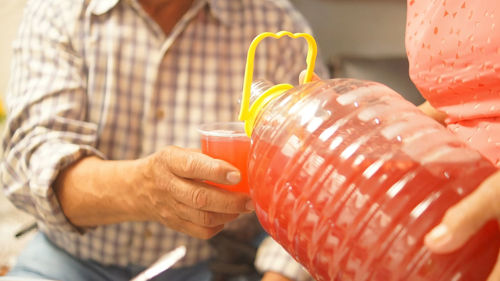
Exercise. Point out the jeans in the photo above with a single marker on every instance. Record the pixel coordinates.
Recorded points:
(42, 259)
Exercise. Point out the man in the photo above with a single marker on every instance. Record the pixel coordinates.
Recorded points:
(104, 100)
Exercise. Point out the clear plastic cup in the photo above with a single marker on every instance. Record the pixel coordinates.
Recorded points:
(227, 141)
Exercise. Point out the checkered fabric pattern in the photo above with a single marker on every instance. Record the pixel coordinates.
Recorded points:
(101, 78)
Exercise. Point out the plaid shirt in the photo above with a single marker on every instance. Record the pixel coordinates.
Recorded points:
(99, 77)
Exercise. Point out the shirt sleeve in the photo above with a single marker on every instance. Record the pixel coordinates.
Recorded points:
(272, 257)
(47, 106)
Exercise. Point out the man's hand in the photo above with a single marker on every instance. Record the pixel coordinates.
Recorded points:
(173, 192)
(272, 276)
(465, 218)
(167, 186)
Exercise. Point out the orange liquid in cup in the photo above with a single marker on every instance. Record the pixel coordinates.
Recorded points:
(233, 149)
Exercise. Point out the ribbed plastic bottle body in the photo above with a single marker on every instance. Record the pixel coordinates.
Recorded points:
(348, 177)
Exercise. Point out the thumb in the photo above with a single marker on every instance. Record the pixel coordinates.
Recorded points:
(466, 217)
(302, 76)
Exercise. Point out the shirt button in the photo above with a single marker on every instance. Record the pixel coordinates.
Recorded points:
(160, 113)
(148, 233)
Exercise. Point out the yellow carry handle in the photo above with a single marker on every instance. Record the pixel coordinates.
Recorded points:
(247, 113)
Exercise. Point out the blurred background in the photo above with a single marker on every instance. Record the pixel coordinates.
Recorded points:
(361, 39)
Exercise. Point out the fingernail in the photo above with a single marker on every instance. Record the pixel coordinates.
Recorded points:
(250, 205)
(439, 235)
(233, 177)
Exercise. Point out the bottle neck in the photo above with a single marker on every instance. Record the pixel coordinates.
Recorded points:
(257, 88)
(257, 96)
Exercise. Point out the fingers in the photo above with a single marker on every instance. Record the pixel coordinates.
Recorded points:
(466, 217)
(192, 164)
(176, 195)
(302, 75)
(198, 195)
(203, 218)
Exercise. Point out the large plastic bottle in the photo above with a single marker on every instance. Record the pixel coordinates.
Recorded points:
(348, 177)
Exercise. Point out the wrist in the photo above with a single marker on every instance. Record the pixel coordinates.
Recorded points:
(137, 181)
(94, 192)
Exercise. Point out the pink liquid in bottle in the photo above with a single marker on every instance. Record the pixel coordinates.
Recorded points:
(348, 177)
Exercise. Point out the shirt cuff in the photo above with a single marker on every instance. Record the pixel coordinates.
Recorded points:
(45, 165)
(272, 257)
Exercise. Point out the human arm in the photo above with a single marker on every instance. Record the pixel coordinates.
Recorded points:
(54, 120)
(46, 105)
(166, 187)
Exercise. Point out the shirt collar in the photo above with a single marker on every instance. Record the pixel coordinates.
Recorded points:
(219, 9)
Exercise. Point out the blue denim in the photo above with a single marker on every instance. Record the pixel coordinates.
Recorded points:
(42, 259)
